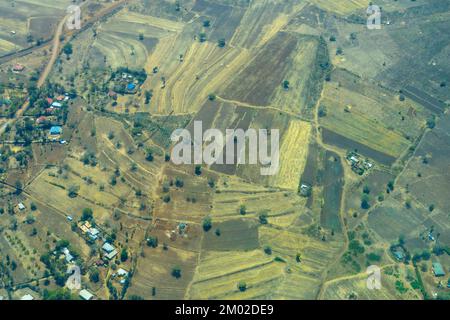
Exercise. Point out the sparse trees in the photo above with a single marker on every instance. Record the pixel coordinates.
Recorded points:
(207, 224)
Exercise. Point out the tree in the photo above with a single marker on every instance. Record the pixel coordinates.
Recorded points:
(18, 186)
(365, 201)
(87, 214)
(176, 272)
(30, 218)
(72, 192)
(152, 241)
(207, 224)
(242, 286)
(221, 43)
(94, 275)
(179, 183)
(242, 209)
(268, 250)
(431, 123)
(390, 185)
(366, 189)
(202, 37)
(67, 49)
(322, 111)
(148, 96)
(141, 36)
(285, 85)
(263, 218)
(123, 255)
(206, 23)
(198, 170)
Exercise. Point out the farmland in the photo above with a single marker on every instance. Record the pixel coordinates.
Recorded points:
(89, 173)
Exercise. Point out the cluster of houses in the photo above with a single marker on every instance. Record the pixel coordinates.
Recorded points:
(180, 231)
(109, 251)
(124, 83)
(358, 164)
(88, 230)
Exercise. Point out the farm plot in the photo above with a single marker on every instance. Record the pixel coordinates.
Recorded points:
(224, 19)
(363, 119)
(263, 19)
(332, 193)
(431, 163)
(234, 235)
(341, 7)
(280, 207)
(183, 196)
(356, 287)
(258, 271)
(313, 252)
(293, 154)
(154, 270)
(255, 84)
(27, 17)
(392, 220)
(203, 68)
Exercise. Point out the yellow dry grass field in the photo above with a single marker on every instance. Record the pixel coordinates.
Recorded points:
(293, 154)
(341, 7)
(204, 69)
(137, 18)
(226, 204)
(258, 270)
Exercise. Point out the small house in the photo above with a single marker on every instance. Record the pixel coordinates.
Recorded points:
(70, 218)
(49, 101)
(55, 130)
(60, 98)
(21, 206)
(86, 295)
(93, 233)
(18, 67)
(305, 190)
(108, 247)
(41, 120)
(112, 94)
(67, 254)
(56, 105)
(122, 272)
(110, 251)
(438, 270)
(131, 86)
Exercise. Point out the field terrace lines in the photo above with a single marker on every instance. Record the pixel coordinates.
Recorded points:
(204, 69)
